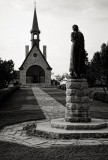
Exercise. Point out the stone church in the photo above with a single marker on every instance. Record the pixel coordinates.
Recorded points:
(35, 69)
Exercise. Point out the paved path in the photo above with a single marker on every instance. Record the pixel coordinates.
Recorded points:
(52, 109)
(16, 134)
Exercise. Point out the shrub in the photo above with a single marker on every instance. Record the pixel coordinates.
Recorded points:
(16, 83)
(63, 86)
(30, 129)
(59, 87)
(101, 96)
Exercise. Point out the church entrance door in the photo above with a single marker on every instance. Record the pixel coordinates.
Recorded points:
(35, 74)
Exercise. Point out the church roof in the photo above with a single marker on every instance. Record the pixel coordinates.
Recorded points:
(49, 68)
(35, 27)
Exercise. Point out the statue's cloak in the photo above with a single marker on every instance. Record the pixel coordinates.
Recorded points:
(77, 58)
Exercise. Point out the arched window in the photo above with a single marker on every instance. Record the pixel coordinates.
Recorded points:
(35, 36)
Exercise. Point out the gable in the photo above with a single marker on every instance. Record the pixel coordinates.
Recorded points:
(35, 56)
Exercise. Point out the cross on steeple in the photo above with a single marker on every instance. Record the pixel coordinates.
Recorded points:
(34, 3)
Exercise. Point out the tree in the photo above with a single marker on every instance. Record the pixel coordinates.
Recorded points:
(6, 72)
(97, 69)
(58, 77)
(65, 75)
(89, 74)
(104, 61)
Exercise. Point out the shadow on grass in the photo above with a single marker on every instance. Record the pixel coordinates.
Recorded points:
(21, 106)
(11, 151)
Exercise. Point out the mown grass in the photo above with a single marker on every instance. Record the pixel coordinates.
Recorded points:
(20, 107)
(11, 151)
(11, 111)
(97, 108)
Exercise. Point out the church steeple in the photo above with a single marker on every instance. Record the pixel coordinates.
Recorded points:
(35, 30)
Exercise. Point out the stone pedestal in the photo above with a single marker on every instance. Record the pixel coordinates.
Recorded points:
(77, 122)
(77, 101)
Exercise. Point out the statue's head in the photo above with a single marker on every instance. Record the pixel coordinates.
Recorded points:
(75, 27)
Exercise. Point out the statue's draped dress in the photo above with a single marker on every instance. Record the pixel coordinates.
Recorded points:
(77, 58)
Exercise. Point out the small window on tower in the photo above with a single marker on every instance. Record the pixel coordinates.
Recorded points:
(35, 36)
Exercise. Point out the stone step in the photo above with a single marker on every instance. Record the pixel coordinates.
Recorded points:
(47, 131)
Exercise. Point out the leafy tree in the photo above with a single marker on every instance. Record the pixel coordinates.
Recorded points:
(58, 77)
(104, 61)
(97, 69)
(65, 75)
(86, 58)
(89, 74)
(6, 72)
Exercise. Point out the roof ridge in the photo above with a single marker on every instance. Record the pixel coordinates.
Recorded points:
(49, 68)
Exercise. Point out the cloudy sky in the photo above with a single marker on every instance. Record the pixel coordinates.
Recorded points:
(55, 18)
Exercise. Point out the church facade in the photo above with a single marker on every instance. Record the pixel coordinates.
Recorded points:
(35, 69)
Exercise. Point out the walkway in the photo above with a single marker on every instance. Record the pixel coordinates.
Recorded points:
(52, 109)
(16, 134)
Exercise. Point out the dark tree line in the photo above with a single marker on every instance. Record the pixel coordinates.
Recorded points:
(97, 68)
(6, 72)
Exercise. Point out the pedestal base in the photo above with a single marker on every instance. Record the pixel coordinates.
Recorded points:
(77, 101)
(65, 130)
(78, 119)
(94, 124)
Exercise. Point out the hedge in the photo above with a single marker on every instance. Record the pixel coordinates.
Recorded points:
(100, 96)
(6, 92)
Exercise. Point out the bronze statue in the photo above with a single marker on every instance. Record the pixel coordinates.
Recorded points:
(77, 59)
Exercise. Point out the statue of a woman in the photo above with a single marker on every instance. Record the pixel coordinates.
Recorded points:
(77, 59)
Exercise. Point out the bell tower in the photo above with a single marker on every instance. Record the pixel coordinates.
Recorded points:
(35, 32)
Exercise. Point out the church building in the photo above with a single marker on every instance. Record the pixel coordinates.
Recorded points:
(35, 69)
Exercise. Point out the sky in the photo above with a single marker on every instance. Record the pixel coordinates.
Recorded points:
(55, 19)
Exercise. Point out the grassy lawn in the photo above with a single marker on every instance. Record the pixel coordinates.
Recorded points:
(97, 108)
(19, 107)
(22, 106)
(11, 151)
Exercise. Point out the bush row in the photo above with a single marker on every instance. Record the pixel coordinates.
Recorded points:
(100, 96)
(6, 92)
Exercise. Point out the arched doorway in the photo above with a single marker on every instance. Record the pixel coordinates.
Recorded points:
(35, 74)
